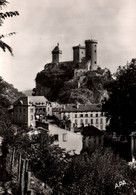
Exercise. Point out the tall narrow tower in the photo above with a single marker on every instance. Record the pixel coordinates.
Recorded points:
(91, 53)
(56, 54)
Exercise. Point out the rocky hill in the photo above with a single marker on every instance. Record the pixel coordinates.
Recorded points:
(67, 83)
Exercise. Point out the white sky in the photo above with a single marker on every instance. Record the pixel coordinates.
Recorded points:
(42, 24)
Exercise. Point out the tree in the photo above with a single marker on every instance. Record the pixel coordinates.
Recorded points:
(120, 107)
(101, 173)
(3, 16)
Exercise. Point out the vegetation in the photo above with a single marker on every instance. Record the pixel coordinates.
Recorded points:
(120, 107)
(3, 16)
(100, 173)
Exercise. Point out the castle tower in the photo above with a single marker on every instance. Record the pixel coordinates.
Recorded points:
(56, 54)
(91, 53)
(78, 53)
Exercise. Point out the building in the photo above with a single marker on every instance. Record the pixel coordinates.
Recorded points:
(70, 141)
(83, 56)
(91, 53)
(82, 115)
(56, 54)
(133, 146)
(28, 109)
(92, 138)
(78, 53)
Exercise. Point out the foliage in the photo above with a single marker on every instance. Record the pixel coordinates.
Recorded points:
(3, 45)
(8, 94)
(81, 174)
(120, 108)
(97, 174)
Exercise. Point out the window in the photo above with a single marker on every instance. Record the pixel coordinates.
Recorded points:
(86, 121)
(24, 117)
(102, 114)
(94, 139)
(31, 117)
(81, 122)
(101, 121)
(81, 115)
(96, 115)
(75, 115)
(86, 115)
(100, 140)
(43, 109)
(31, 110)
(91, 121)
(75, 121)
(95, 62)
(91, 115)
(56, 137)
(96, 121)
(64, 137)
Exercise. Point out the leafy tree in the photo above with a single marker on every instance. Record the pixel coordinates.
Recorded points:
(3, 16)
(120, 107)
(98, 174)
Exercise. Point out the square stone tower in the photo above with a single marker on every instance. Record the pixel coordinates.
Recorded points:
(78, 53)
(56, 54)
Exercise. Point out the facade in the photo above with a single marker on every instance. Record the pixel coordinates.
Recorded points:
(133, 146)
(70, 141)
(82, 115)
(28, 109)
(92, 138)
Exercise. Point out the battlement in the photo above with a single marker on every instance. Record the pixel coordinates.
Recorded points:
(91, 41)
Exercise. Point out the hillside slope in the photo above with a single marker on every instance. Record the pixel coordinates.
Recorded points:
(8, 94)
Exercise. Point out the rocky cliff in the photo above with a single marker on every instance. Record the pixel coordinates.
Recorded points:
(67, 83)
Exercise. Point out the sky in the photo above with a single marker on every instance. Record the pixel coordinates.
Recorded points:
(42, 24)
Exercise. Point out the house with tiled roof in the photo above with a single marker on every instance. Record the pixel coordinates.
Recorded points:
(92, 138)
(28, 109)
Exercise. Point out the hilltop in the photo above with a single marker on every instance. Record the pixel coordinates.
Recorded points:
(61, 84)
(78, 81)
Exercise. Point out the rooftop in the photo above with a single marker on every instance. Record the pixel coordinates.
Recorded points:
(57, 50)
(82, 108)
(91, 131)
(28, 100)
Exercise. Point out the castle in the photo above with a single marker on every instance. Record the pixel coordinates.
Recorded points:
(84, 56)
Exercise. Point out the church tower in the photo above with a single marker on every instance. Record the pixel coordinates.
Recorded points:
(56, 54)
